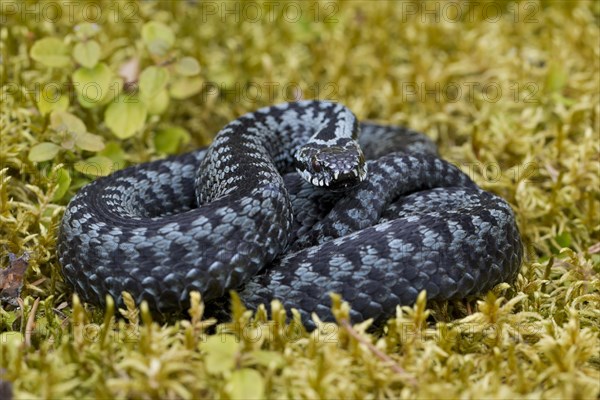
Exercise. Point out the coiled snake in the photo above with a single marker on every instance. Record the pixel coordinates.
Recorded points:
(236, 216)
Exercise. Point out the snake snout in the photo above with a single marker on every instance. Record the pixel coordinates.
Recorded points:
(335, 168)
(346, 166)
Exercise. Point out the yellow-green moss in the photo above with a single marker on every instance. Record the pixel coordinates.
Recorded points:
(509, 91)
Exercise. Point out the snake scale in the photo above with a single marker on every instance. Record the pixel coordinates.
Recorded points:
(283, 205)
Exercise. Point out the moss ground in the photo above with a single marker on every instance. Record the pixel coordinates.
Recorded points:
(509, 91)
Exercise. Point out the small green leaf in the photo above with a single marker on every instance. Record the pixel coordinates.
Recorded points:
(125, 117)
(89, 142)
(92, 84)
(158, 37)
(51, 98)
(563, 239)
(220, 352)
(245, 383)
(560, 99)
(86, 30)
(43, 152)
(188, 66)
(115, 90)
(153, 80)
(51, 52)
(115, 152)
(63, 181)
(78, 182)
(556, 78)
(169, 139)
(87, 53)
(95, 166)
(158, 103)
(185, 87)
(63, 121)
(267, 358)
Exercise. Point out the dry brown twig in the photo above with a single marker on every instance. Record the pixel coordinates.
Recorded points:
(379, 354)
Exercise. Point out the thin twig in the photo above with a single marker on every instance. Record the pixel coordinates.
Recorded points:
(31, 322)
(379, 354)
(595, 248)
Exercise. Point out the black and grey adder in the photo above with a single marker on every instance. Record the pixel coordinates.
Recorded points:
(283, 205)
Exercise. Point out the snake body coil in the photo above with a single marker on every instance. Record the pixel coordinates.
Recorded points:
(237, 216)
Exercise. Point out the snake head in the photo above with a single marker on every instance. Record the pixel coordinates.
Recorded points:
(338, 168)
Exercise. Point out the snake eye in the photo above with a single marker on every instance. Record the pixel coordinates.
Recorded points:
(316, 165)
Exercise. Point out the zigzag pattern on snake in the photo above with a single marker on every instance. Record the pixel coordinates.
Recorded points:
(283, 205)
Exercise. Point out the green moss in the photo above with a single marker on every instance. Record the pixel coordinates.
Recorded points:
(513, 99)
